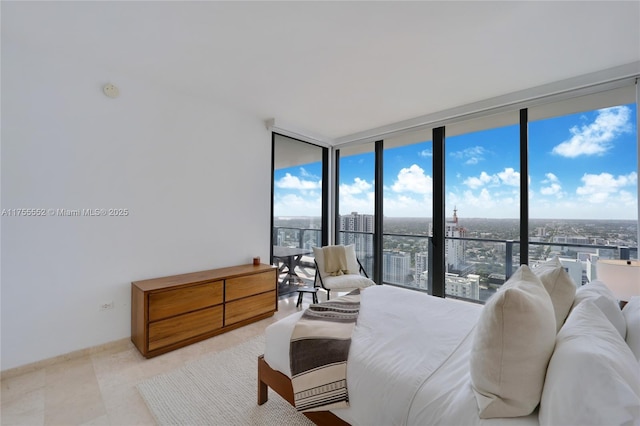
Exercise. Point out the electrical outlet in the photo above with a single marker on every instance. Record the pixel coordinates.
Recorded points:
(107, 306)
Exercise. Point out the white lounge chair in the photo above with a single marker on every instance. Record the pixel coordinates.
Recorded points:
(354, 276)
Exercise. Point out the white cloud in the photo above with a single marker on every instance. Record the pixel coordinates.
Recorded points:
(295, 205)
(600, 188)
(477, 182)
(471, 155)
(553, 186)
(407, 206)
(305, 173)
(359, 186)
(553, 189)
(595, 138)
(413, 179)
(485, 203)
(509, 177)
(361, 204)
(288, 181)
(425, 153)
(357, 197)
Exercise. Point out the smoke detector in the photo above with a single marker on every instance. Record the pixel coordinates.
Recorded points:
(111, 91)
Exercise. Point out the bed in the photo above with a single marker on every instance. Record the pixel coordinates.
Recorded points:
(419, 360)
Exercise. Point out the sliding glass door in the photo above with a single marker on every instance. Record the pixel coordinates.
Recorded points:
(298, 206)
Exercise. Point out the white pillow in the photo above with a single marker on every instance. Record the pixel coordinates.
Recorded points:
(631, 313)
(599, 293)
(512, 345)
(593, 377)
(560, 287)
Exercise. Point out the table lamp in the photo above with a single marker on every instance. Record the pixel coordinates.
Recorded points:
(621, 276)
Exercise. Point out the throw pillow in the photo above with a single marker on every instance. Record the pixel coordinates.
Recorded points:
(599, 293)
(513, 342)
(631, 314)
(592, 378)
(560, 287)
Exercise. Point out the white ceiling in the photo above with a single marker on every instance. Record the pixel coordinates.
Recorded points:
(337, 68)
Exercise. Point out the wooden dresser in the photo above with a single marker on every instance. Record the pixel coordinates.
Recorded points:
(170, 312)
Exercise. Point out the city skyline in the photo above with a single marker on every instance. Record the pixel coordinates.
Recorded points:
(477, 265)
(581, 166)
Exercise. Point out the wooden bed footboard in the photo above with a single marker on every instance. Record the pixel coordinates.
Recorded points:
(270, 378)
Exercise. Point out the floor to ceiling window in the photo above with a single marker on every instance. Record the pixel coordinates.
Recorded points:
(298, 206)
(407, 209)
(458, 208)
(584, 181)
(356, 208)
(482, 202)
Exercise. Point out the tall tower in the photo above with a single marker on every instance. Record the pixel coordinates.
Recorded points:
(396, 269)
(422, 265)
(363, 224)
(454, 249)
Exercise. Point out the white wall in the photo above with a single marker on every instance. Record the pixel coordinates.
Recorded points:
(194, 175)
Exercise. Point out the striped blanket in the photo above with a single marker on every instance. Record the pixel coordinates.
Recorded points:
(318, 353)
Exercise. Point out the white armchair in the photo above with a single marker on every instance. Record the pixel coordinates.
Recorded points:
(346, 272)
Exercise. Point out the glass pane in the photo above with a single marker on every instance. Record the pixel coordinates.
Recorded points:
(408, 212)
(297, 211)
(356, 201)
(482, 204)
(583, 193)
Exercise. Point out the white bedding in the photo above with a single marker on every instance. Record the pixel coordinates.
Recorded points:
(408, 362)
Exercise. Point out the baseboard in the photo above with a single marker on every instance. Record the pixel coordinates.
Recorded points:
(17, 371)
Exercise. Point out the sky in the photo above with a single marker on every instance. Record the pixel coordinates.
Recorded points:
(581, 166)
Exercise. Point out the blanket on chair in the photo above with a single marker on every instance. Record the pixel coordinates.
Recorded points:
(335, 260)
(318, 353)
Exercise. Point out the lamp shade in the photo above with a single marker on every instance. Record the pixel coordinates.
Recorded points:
(621, 276)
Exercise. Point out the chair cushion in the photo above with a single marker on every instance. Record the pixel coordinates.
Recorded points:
(343, 282)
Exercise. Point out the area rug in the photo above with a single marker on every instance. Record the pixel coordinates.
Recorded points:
(219, 389)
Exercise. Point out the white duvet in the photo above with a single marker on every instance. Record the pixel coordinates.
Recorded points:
(408, 362)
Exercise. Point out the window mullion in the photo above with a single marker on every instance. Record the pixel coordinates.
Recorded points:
(524, 187)
(437, 268)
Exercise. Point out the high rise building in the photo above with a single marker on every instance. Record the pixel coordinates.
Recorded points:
(363, 224)
(454, 249)
(396, 267)
(467, 287)
(422, 266)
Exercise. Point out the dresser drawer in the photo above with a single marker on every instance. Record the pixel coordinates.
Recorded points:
(176, 329)
(184, 299)
(170, 312)
(249, 285)
(248, 307)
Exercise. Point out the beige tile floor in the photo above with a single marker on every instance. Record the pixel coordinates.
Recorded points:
(100, 389)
